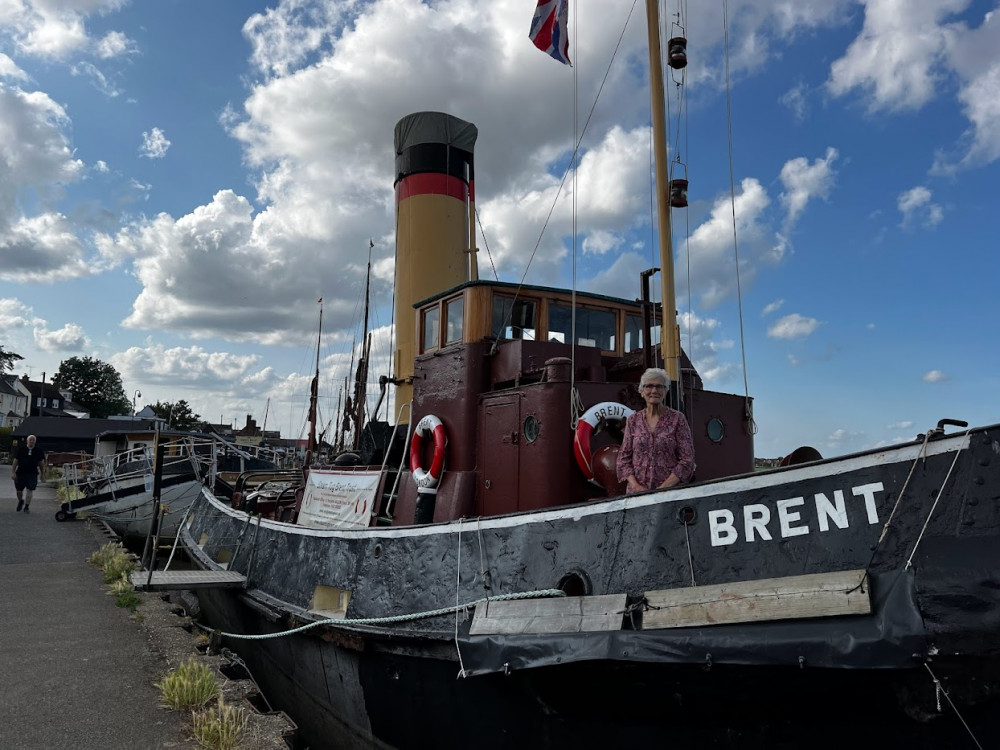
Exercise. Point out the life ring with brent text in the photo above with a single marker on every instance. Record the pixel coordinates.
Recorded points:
(609, 411)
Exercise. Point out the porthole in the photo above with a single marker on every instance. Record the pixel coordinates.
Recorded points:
(716, 429)
(531, 428)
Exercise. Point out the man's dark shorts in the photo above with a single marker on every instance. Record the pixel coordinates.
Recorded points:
(28, 482)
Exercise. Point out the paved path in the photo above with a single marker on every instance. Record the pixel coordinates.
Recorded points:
(75, 670)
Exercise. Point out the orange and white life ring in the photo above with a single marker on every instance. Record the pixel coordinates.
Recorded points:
(610, 411)
(427, 479)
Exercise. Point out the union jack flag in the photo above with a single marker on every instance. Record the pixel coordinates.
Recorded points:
(550, 29)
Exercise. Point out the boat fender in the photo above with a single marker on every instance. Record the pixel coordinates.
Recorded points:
(427, 479)
(609, 411)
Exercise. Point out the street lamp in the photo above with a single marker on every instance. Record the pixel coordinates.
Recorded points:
(135, 395)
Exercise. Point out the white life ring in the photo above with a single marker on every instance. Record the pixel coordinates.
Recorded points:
(610, 411)
(427, 479)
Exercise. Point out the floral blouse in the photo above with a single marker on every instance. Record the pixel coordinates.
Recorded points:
(652, 456)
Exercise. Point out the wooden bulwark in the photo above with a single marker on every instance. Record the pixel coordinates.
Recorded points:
(570, 614)
(796, 597)
(170, 580)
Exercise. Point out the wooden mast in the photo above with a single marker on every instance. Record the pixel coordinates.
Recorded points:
(669, 339)
(361, 374)
(314, 395)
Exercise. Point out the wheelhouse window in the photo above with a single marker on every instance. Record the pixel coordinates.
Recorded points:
(633, 333)
(514, 319)
(430, 327)
(593, 327)
(453, 314)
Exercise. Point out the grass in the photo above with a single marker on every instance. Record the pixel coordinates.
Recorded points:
(192, 685)
(219, 727)
(114, 561)
(124, 593)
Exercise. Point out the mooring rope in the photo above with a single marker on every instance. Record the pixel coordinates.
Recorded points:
(937, 499)
(939, 691)
(458, 583)
(343, 623)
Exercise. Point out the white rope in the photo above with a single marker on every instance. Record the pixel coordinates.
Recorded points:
(343, 623)
(939, 691)
(937, 499)
(458, 583)
(687, 536)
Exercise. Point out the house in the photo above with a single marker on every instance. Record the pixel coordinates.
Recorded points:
(46, 399)
(14, 401)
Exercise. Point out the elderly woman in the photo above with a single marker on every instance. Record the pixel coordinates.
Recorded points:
(657, 451)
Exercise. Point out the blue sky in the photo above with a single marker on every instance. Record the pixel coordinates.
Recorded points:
(180, 182)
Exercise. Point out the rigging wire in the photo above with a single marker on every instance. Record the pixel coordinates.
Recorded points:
(751, 426)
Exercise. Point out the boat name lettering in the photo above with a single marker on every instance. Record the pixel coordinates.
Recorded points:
(616, 411)
(757, 517)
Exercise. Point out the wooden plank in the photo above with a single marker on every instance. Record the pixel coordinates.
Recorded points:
(795, 597)
(570, 614)
(167, 580)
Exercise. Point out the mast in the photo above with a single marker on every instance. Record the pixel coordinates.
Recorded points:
(314, 394)
(361, 374)
(669, 343)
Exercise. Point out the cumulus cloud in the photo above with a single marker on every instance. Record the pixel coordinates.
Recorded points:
(157, 364)
(935, 376)
(901, 60)
(917, 208)
(69, 338)
(14, 314)
(154, 144)
(803, 181)
(793, 326)
(10, 69)
(114, 44)
(904, 425)
(54, 30)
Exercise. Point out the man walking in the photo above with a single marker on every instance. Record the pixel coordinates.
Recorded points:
(29, 462)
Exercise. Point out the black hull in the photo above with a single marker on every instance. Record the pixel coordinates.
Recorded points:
(932, 573)
(410, 701)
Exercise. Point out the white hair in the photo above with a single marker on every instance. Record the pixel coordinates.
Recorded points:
(654, 373)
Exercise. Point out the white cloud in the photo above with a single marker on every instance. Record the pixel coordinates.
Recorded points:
(905, 425)
(793, 326)
(803, 181)
(917, 209)
(896, 59)
(52, 29)
(935, 376)
(114, 44)
(69, 338)
(772, 307)
(10, 69)
(15, 314)
(154, 144)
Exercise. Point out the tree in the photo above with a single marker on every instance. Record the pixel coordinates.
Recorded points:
(95, 385)
(178, 415)
(7, 359)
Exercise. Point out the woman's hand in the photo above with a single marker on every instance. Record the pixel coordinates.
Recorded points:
(634, 486)
(672, 481)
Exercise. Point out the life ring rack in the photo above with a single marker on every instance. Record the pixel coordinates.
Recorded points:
(609, 411)
(427, 479)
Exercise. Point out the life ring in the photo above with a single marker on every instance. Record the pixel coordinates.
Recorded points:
(610, 411)
(427, 479)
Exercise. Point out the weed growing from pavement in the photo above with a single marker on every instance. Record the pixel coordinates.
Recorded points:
(114, 561)
(124, 593)
(191, 685)
(219, 727)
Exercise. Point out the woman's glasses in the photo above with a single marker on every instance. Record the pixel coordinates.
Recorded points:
(650, 387)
